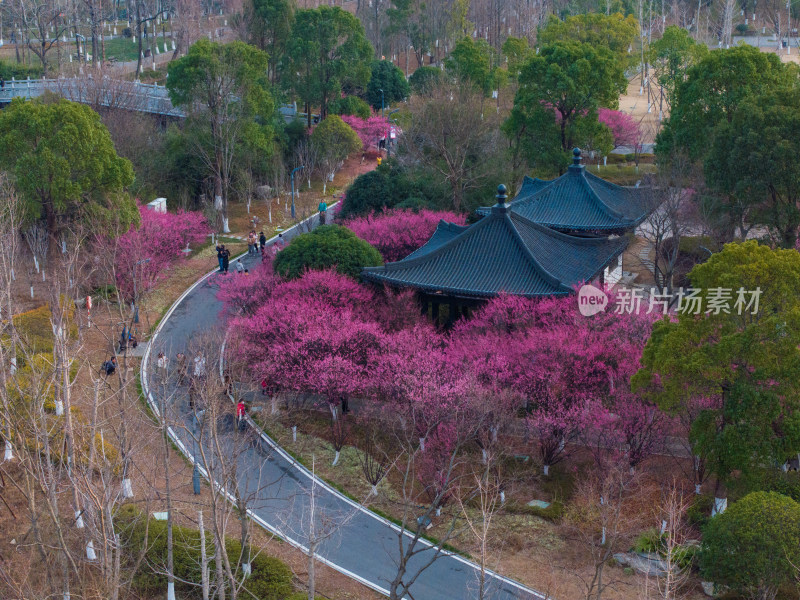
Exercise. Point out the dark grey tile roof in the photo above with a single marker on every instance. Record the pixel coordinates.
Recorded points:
(444, 233)
(580, 201)
(502, 253)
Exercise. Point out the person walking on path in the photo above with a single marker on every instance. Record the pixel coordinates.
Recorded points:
(161, 364)
(251, 243)
(181, 358)
(109, 366)
(220, 256)
(323, 212)
(240, 410)
(239, 266)
(262, 240)
(226, 257)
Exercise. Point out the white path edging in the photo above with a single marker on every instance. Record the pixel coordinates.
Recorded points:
(254, 517)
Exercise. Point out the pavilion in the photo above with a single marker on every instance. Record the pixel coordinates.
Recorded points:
(581, 203)
(553, 237)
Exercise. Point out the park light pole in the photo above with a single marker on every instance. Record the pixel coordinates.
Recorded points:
(292, 177)
(389, 132)
(381, 101)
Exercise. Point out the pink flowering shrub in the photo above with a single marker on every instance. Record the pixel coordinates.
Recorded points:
(142, 256)
(624, 127)
(397, 233)
(370, 130)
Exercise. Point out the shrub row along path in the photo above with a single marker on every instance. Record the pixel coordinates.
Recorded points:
(366, 547)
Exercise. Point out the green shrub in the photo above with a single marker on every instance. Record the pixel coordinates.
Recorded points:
(329, 246)
(753, 546)
(554, 512)
(684, 556)
(699, 512)
(424, 79)
(19, 71)
(271, 579)
(649, 541)
(350, 105)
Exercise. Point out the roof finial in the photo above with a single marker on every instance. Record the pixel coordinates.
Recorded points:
(576, 156)
(501, 194)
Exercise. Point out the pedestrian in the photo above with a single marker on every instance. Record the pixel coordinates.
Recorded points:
(109, 366)
(262, 240)
(161, 364)
(281, 242)
(323, 211)
(240, 411)
(246, 272)
(250, 242)
(239, 266)
(226, 257)
(2, 83)
(181, 358)
(220, 256)
(264, 386)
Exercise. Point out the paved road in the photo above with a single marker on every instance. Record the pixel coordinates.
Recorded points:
(366, 547)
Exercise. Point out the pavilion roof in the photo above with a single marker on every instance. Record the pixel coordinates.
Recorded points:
(580, 201)
(502, 253)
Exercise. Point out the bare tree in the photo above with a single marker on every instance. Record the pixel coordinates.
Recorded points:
(450, 133)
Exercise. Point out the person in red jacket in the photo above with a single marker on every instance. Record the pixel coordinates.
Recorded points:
(240, 415)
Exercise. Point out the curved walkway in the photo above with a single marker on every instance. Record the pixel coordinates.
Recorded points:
(366, 548)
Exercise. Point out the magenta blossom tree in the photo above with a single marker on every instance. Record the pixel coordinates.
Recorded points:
(625, 129)
(397, 233)
(142, 256)
(370, 130)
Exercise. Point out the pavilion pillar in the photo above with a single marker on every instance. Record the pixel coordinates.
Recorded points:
(435, 311)
(423, 301)
(452, 313)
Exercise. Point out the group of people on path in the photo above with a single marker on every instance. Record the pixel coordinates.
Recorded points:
(254, 244)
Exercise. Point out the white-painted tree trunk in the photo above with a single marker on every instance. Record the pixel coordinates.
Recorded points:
(36, 263)
(127, 488)
(294, 433)
(697, 488)
(422, 444)
(334, 414)
(502, 497)
(274, 409)
(335, 459)
(247, 570)
(171, 590)
(374, 491)
(225, 228)
(438, 511)
(90, 553)
(13, 364)
(663, 526)
(78, 519)
(9, 451)
(484, 456)
(546, 470)
(59, 408)
(720, 504)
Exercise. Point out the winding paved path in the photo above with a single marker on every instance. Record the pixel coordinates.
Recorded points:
(366, 547)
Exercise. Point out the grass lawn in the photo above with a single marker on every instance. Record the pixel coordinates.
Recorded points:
(124, 49)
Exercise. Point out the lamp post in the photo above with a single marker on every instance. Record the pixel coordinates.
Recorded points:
(292, 177)
(381, 101)
(389, 133)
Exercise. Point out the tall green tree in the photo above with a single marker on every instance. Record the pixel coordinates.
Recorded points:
(754, 547)
(555, 107)
(269, 25)
(516, 52)
(333, 140)
(614, 32)
(224, 88)
(470, 63)
(387, 77)
(731, 366)
(671, 57)
(752, 165)
(712, 91)
(327, 51)
(64, 166)
(407, 20)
